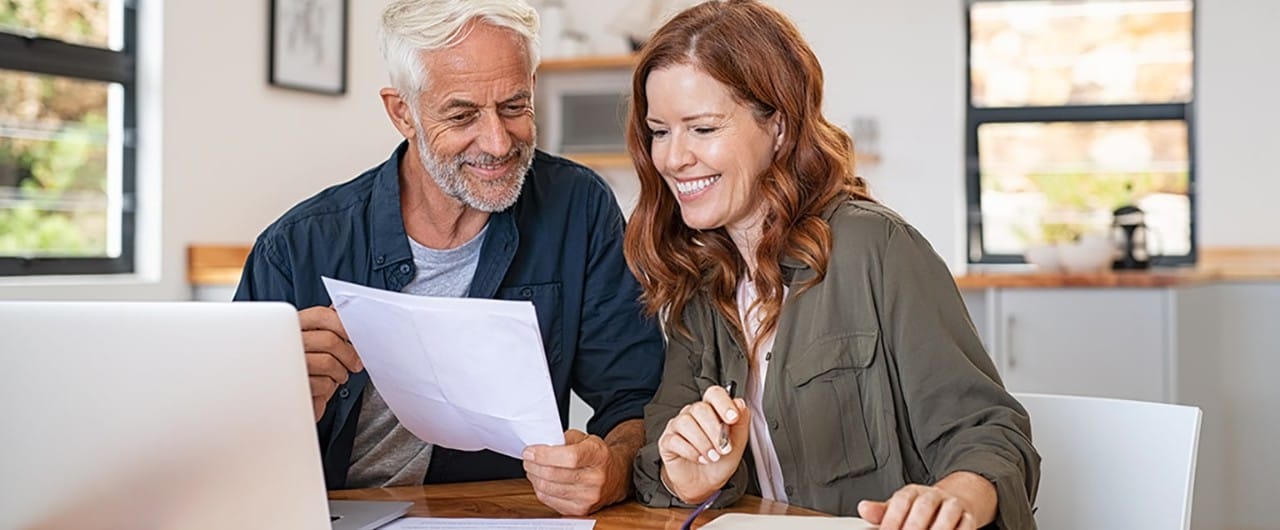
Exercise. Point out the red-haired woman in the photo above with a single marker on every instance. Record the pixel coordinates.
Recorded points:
(864, 388)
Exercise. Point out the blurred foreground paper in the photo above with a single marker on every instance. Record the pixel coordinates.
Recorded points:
(462, 373)
(742, 521)
(433, 523)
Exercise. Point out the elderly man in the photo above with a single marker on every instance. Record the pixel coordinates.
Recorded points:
(467, 207)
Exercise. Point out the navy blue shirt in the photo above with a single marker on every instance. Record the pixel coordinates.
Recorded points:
(559, 246)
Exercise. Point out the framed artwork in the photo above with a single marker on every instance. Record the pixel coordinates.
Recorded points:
(309, 45)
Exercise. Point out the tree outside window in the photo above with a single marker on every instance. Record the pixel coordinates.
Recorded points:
(66, 136)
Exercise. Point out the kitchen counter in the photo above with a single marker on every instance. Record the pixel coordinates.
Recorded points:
(1221, 264)
(219, 265)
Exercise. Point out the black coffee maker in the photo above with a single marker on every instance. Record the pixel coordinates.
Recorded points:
(1130, 234)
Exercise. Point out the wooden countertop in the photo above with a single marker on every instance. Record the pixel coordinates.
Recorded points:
(1220, 264)
(220, 265)
(515, 499)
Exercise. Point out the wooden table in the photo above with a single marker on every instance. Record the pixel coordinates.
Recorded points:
(515, 499)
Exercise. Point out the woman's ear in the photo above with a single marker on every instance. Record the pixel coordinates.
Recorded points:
(779, 125)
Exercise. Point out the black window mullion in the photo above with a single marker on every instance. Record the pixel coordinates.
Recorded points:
(130, 91)
(129, 158)
(53, 57)
(1080, 113)
(11, 266)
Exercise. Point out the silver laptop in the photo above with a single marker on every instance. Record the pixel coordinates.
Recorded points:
(161, 415)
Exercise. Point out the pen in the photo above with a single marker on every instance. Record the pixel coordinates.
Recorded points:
(724, 429)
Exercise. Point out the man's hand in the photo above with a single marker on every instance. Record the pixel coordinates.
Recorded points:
(331, 358)
(586, 473)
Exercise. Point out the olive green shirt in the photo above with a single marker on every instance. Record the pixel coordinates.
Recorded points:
(876, 380)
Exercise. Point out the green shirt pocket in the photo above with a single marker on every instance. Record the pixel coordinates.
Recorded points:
(832, 431)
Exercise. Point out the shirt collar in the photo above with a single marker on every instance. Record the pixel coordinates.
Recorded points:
(390, 242)
(796, 271)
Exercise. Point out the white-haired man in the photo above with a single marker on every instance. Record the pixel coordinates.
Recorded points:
(466, 207)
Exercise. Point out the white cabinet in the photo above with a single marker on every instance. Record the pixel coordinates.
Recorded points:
(1105, 342)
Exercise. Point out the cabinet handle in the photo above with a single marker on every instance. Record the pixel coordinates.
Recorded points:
(1010, 359)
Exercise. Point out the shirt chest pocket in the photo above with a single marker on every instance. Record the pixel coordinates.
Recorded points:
(833, 436)
(547, 305)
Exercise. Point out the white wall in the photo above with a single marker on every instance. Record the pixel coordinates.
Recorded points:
(241, 151)
(883, 59)
(1239, 121)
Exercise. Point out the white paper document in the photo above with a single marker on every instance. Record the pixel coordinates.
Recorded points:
(462, 373)
(743, 521)
(435, 523)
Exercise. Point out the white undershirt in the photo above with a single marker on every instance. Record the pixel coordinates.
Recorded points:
(768, 471)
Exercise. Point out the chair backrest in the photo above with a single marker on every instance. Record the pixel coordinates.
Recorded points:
(1110, 463)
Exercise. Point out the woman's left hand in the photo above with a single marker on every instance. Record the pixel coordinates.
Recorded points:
(961, 501)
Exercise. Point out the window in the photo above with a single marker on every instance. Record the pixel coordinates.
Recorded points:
(1075, 108)
(67, 156)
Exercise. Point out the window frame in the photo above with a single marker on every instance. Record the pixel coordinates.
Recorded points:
(41, 55)
(975, 117)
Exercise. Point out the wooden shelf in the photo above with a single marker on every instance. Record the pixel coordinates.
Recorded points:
(215, 264)
(867, 160)
(588, 62)
(601, 160)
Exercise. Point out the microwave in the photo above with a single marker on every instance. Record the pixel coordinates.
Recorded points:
(581, 112)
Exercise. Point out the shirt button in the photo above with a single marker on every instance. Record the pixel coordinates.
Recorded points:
(791, 491)
(344, 393)
(773, 424)
(381, 260)
(404, 268)
(526, 293)
(768, 356)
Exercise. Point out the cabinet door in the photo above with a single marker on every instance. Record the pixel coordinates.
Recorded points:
(1093, 342)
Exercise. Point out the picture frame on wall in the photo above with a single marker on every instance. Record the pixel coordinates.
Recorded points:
(308, 45)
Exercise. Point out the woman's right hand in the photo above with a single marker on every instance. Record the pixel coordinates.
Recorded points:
(694, 463)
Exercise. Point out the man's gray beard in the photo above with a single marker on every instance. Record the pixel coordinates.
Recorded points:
(452, 178)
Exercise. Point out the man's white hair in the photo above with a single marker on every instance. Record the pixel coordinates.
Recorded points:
(410, 27)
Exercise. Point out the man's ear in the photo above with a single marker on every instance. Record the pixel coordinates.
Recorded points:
(533, 89)
(398, 110)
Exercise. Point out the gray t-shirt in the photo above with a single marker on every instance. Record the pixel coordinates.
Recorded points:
(385, 453)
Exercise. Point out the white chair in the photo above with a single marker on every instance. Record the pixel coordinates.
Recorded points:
(1110, 463)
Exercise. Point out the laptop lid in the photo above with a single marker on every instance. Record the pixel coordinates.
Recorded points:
(156, 415)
